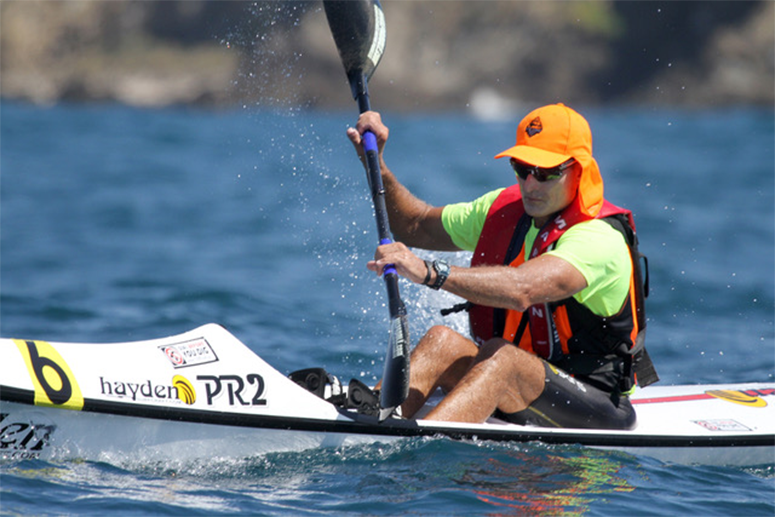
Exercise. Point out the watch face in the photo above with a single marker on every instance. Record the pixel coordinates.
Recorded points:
(442, 271)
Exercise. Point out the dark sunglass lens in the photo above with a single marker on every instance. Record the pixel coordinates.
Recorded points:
(521, 169)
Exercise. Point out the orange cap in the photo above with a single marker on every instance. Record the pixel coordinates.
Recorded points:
(553, 134)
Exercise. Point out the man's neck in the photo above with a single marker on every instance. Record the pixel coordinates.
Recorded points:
(539, 222)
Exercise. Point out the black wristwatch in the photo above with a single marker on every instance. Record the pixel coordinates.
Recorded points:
(442, 272)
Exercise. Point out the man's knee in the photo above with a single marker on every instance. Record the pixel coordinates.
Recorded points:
(497, 346)
(440, 333)
(447, 341)
(506, 354)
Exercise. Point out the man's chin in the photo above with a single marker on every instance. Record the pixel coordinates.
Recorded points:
(534, 209)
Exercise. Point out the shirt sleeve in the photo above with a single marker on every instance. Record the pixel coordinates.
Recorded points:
(606, 265)
(463, 222)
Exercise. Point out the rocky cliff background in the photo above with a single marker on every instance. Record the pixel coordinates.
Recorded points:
(484, 56)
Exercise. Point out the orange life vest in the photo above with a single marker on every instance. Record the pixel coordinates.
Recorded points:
(606, 351)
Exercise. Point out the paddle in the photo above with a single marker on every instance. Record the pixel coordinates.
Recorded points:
(358, 27)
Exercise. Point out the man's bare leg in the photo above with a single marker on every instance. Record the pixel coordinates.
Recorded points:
(441, 359)
(502, 376)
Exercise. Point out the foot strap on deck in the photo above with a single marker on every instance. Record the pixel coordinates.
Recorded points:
(320, 383)
(326, 386)
(361, 398)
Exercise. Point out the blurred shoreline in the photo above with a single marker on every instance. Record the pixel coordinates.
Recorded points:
(490, 58)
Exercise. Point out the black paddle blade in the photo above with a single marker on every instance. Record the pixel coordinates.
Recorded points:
(395, 377)
(358, 27)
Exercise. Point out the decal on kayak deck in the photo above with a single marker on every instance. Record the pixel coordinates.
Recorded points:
(189, 353)
(144, 391)
(739, 397)
(52, 379)
(236, 389)
(725, 424)
(749, 398)
(186, 391)
(23, 436)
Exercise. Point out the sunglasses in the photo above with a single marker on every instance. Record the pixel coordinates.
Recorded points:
(541, 174)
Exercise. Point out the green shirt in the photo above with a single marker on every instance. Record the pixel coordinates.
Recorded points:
(594, 248)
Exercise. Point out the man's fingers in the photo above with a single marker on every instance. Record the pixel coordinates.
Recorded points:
(354, 135)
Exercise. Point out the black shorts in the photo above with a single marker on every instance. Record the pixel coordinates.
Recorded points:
(569, 402)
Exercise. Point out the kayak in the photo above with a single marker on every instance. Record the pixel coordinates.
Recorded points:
(204, 394)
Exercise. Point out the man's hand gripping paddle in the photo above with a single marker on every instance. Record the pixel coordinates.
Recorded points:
(358, 27)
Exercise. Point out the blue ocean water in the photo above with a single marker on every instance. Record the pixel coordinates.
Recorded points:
(119, 224)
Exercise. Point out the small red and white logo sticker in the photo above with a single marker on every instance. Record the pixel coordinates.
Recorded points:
(189, 353)
(722, 424)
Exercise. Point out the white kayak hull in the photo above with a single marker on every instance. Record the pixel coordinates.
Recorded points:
(62, 435)
(204, 394)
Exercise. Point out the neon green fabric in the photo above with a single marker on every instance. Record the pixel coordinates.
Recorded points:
(594, 248)
(464, 221)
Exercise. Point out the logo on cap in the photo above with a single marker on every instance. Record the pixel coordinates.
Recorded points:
(534, 127)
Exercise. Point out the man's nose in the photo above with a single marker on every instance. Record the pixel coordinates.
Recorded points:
(531, 183)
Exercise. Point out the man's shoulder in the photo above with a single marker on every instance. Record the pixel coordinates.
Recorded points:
(592, 242)
(463, 222)
(594, 228)
(462, 213)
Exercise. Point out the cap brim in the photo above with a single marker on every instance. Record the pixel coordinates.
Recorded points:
(535, 156)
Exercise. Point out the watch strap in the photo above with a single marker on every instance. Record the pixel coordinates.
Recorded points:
(428, 266)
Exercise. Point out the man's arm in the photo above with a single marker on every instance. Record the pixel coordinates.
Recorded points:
(540, 280)
(412, 221)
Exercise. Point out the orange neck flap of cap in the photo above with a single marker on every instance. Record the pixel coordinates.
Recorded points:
(590, 193)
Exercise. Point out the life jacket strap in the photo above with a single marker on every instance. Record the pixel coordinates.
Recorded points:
(459, 307)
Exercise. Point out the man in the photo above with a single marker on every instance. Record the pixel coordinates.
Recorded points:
(554, 270)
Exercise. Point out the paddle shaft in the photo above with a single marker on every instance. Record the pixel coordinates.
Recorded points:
(374, 176)
(395, 378)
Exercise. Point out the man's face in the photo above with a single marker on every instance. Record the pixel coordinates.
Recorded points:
(543, 199)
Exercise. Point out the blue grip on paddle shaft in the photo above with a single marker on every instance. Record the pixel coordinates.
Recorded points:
(369, 141)
(389, 268)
